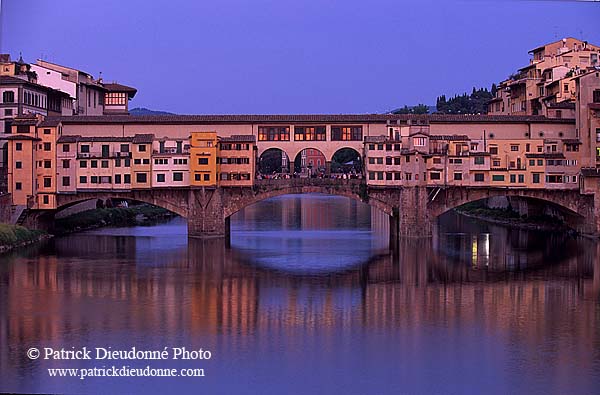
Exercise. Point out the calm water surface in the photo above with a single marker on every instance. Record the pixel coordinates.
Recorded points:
(309, 298)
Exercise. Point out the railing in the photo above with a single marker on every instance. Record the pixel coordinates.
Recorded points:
(300, 182)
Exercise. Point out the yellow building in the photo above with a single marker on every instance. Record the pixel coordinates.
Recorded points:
(203, 159)
(46, 169)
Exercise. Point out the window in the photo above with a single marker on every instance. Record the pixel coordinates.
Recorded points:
(105, 150)
(177, 176)
(85, 148)
(141, 177)
(207, 177)
(388, 160)
(142, 148)
(346, 133)
(536, 178)
(94, 179)
(273, 133)
(310, 133)
(458, 176)
(419, 141)
(435, 176)
(46, 131)
(115, 98)
(47, 182)
(388, 176)
(371, 175)
(479, 160)
(124, 148)
(371, 147)
(137, 161)
(397, 161)
(127, 162)
(127, 179)
(203, 161)
(531, 162)
(160, 178)
(66, 147)
(47, 164)
(596, 96)
(94, 164)
(494, 150)
(117, 162)
(479, 177)
(8, 112)
(117, 178)
(554, 179)
(380, 175)
(8, 97)
(437, 161)
(46, 199)
(521, 178)
(540, 162)
(66, 181)
(496, 163)
(18, 146)
(104, 164)
(497, 177)
(18, 165)
(47, 146)
(514, 147)
(397, 176)
(18, 186)
(197, 177)
(146, 161)
(513, 178)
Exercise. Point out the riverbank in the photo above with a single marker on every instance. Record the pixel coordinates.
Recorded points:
(510, 218)
(15, 236)
(140, 215)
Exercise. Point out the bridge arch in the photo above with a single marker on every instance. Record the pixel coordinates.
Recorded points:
(309, 161)
(235, 201)
(173, 200)
(577, 210)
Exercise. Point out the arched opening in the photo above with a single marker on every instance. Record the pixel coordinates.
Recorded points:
(274, 162)
(309, 233)
(346, 162)
(107, 211)
(522, 211)
(310, 162)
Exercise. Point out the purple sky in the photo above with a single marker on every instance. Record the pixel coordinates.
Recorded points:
(279, 56)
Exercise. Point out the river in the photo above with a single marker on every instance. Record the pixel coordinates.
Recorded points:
(309, 298)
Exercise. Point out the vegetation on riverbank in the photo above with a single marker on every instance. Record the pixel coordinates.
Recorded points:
(143, 214)
(511, 218)
(12, 236)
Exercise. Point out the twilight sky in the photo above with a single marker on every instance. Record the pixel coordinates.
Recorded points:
(281, 56)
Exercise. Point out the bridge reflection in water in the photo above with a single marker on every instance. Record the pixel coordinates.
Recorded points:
(511, 306)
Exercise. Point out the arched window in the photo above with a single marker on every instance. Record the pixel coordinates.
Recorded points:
(8, 97)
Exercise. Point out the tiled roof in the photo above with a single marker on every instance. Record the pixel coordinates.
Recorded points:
(571, 141)
(18, 137)
(143, 138)
(68, 139)
(105, 139)
(479, 153)
(594, 106)
(375, 139)
(25, 120)
(308, 118)
(49, 123)
(114, 87)
(236, 138)
(562, 105)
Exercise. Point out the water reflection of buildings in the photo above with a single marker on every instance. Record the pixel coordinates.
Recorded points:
(206, 288)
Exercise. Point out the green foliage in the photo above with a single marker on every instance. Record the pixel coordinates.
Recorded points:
(418, 109)
(475, 103)
(116, 216)
(11, 235)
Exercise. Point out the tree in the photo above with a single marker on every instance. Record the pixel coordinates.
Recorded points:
(475, 103)
(418, 109)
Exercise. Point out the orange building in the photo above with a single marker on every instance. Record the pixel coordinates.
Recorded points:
(203, 159)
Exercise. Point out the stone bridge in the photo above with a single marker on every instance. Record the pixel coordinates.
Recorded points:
(412, 210)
